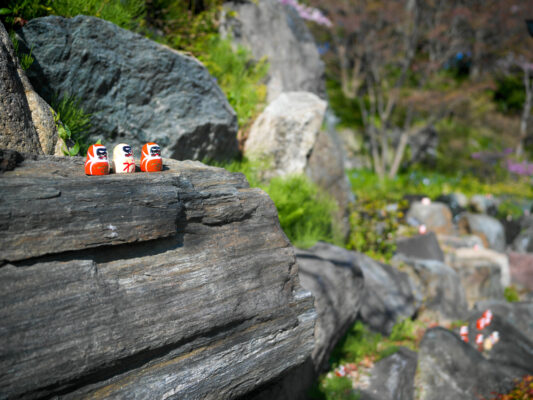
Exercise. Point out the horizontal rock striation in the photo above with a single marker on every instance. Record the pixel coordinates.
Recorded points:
(205, 304)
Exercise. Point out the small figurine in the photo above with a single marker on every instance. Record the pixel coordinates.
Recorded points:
(479, 341)
(464, 333)
(151, 160)
(123, 159)
(97, 162)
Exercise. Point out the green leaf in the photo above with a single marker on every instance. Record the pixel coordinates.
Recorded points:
(5, 11)
(75, 149)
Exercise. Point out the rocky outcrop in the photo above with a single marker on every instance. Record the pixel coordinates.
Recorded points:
(331, 275)
(17, 131)
(136, 89)
(488, 228)
(519, 314)
(438, 286)
(293, 143)
(437, 217)
(172, 285)
(448, 368)
(276, 31)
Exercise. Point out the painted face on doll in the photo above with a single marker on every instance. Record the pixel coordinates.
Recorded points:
(96, 162)
(151, 160)
(123, 160)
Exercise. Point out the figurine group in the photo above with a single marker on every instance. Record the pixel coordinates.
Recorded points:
(97, 162)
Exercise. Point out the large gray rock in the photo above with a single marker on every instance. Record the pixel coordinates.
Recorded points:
(484, 273)
(137, 90)
(523, 243)
(212, 310)
(448, 368)
(488, 228)
(389, 294)
(17, 131)
(332, 276)
(438, 286)
(392, 378)
(424, 247)
(276, 31)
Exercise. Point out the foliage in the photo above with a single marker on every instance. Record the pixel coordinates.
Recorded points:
(508, 209)
(509, 94)
(238, 75)
(511, 294)
(522, 391)
(25, 59)
(335, 388)
(73, 124)
(305, 212)
(17, 12)
(374, 228)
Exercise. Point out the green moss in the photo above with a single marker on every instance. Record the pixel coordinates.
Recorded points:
(511, 294)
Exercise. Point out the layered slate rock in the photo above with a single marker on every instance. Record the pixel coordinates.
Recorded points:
(17, 131)
(448, 368)
(137, 90)
(424, 247)
(336, 281)
(276, 31)
(210, 310)
(438, 286)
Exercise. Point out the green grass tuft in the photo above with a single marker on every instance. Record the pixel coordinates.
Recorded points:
(73, 124)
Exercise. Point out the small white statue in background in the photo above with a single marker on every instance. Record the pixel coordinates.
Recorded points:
(123, 160)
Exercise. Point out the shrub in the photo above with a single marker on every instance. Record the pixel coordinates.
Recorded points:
(238, 75)
(511, 294)
(522, 391)
(73, 124)
(337, 388)
(305, 212)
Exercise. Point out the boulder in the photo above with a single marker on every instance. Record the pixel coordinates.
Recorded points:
(436, 216)
(523, 242)
(448, 368)
(276, 31)
(452, 242)
(137, 90)
(392, 378)
(424, 247)
(438, 286)
(484, 273)
(456, 201)
(388, 296)
(285, 139)
(191, 291)
(336, 282)
(521, 269)
(519, 314)
(489, 229)
(17, 131)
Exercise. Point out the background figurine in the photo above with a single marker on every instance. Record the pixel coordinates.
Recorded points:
(151, 160)
(123, 161)
(97, 162)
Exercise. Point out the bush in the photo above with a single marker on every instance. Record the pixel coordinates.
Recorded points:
(73, 124)
(238, 75)
(511, 294)
(337, 388)
(305, 212)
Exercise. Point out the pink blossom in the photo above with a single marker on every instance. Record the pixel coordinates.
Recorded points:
(308, 13)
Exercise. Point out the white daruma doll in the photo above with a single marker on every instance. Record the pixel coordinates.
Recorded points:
(123, 159)
(96, 162)
(151, 160)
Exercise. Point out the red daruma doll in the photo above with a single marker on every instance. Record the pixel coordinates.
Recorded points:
(97, 162)
(151, 160)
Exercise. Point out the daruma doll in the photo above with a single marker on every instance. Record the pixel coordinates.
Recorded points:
(151, 160)
(97, 162)
(123, 159)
